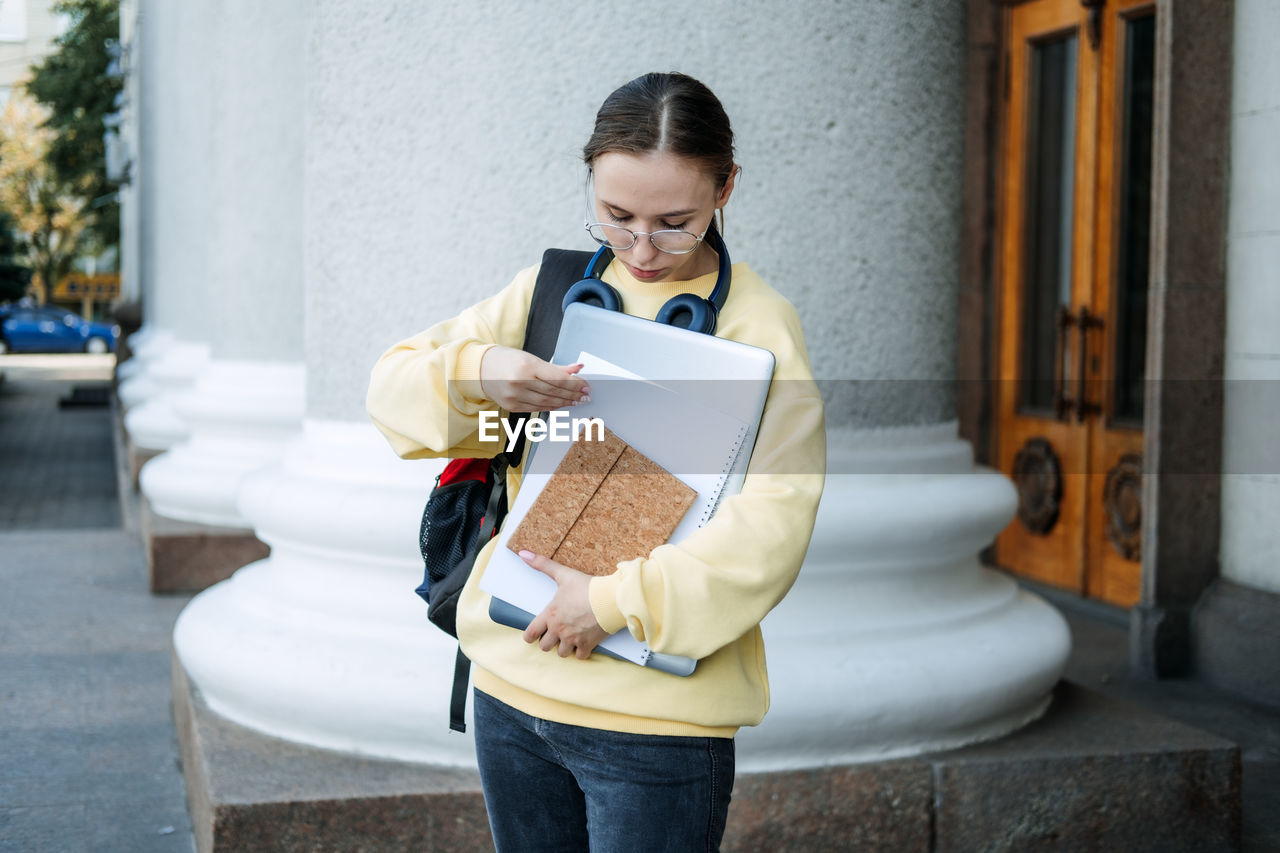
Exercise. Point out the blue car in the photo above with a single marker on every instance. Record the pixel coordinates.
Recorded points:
(49, 329)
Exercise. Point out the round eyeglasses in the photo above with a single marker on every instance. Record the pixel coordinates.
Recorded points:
(671, 241)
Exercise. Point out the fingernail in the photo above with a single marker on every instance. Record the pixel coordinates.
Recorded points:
(586, 398)
(586, 389)
(527, 555)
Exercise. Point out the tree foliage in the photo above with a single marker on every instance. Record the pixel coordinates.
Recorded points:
(78, 84)
(50, 211)
(14, 275)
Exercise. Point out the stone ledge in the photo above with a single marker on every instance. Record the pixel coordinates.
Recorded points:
(1093, 774)
(187, 557)
(248, 791)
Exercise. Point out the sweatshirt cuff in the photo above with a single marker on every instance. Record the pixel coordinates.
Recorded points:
(602, 592)
(466, 374)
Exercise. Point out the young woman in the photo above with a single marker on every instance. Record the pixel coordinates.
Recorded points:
(581, 751)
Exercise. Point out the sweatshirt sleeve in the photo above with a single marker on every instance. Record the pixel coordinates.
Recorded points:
(694, 597)
(424, 393)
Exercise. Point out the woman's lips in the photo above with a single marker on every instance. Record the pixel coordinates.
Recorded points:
(644, 274)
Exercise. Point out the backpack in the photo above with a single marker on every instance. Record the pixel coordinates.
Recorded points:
(469, 501)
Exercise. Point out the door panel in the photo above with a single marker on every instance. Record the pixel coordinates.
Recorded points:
(1118, 345)
(1073, 237)
(1045, 193)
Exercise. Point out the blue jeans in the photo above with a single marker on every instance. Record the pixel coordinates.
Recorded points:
(561, 788)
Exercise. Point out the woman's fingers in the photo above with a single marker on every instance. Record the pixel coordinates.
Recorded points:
(560, 384)
(551, 394)
(520, 382)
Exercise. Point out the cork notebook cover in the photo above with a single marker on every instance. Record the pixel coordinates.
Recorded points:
(604, 503)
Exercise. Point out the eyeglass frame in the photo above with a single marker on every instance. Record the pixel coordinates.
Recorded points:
(635, 237)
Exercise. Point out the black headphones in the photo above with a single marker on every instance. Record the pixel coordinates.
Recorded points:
(688, 311)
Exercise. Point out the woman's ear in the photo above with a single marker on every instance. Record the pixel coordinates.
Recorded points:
(722, 198)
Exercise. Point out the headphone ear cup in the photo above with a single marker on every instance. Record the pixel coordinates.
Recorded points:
(689, 312)
(593, 291)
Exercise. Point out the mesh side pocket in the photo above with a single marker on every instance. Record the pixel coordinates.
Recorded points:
(450, 523)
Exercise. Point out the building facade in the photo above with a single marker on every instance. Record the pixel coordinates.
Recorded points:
(27, 31)
(1028, 242)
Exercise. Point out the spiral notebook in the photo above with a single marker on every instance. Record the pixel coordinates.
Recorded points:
(699, 426)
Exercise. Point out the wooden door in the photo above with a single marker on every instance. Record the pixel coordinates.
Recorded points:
(1073, 244)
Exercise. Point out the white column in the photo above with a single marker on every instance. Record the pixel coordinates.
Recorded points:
(122, 156)
(1251, 482)
(894, 640)
(247, 401)
(176, 84)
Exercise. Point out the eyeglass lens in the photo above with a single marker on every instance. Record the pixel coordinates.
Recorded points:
(616, 237)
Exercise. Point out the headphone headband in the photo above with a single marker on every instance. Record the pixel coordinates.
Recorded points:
(686, 310)
(720, 292)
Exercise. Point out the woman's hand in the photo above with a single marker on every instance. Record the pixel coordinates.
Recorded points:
(520, 382)
(567, 621)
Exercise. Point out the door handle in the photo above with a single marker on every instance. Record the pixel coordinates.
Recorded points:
(1063, 404)
(1084, 321)
(1073, 405)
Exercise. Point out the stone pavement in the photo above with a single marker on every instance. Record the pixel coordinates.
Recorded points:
(88, 754)
(57, 468)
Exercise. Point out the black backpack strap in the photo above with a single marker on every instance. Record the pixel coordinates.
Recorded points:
(561, 269)
(458, 703)
(496, 509)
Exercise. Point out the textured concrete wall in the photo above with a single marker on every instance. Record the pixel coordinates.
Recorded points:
(1251, 486)
(254, 246)
(443, 155)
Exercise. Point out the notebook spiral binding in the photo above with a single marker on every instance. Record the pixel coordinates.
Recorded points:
(731, 459)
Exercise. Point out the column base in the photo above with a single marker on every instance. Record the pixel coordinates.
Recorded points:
(239, 417)
(1237, 641)
(185, 556)
(1093, 773)
(138, 456)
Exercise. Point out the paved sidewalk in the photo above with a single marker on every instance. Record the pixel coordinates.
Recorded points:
(88, 754)
(57, 465)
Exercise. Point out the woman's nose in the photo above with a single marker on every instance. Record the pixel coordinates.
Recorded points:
(644, 250)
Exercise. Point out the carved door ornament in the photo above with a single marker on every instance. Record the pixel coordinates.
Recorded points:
(1038, 475)
(1122, 499)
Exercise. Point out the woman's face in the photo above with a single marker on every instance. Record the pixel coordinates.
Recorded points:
(655, 192)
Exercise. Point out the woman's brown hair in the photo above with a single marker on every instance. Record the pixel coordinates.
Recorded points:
(665, 112)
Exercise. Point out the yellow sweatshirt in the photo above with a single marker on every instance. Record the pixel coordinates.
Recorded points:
(703, 598)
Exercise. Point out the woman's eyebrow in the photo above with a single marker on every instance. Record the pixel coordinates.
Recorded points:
(672, 214)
